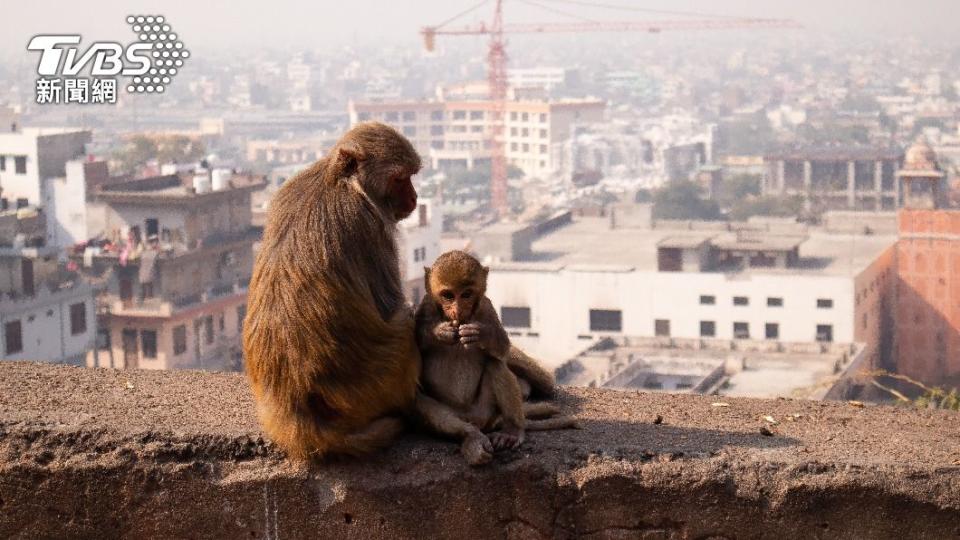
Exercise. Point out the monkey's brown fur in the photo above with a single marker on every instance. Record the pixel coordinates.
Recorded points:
(467, 387)
(328, 340)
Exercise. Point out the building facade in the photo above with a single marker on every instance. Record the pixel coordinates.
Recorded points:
(927, 296)
(836, 178)
(177, 263)
(46, 308)
(586, 282)
(457, 133)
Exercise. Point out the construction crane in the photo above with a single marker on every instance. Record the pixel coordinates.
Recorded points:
(497, 57)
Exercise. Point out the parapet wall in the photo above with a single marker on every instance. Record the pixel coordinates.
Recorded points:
(96, 453)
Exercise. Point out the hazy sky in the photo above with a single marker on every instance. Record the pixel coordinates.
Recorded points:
(206, 25)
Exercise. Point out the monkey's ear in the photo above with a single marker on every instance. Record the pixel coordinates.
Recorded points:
(345, 161)
(426, 280)
(483, 276)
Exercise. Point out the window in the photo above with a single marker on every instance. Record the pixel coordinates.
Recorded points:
(515, 317)
(208, 328)
(513, 131)
(20, 164)
(824, 303)
(13, 335)
(513, 146)
(774, 301)
(436, 130)
(436, 115)
(661, 328)
(179, 340)
(78, 318)
(708, 329)
(526, 117)
(476, 115)
(436, 145)
(526, 147)
(543, 134)
(526, 132)
(392, 116)
(513, 115)
(409, 116)
(410, 131)
(3, 163)
(222, 321)
(825, 333)
(707, 300)
(148, 342)
(459, 115)
(605, 320)
(363, 116)
(419, 254)
(741, 330)
(772, 330)
(543, 117)
(241, 315)
(741, 301)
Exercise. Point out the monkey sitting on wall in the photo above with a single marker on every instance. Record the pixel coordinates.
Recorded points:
(467, 387)
(328, 338)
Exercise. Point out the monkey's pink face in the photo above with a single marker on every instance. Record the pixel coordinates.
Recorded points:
(403, 196)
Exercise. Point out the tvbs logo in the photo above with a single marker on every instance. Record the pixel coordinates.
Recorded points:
(149, 64)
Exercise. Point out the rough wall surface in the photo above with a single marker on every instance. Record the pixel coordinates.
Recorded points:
(137, 454)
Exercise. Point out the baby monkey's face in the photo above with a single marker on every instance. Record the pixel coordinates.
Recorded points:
(459, 303)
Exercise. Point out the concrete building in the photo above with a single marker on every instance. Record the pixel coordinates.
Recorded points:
(742, 368)
(46, 309)
(29, 157)
(585, 281)
(177, 261)
(927, 296)
(451, 133)
(418, 245)
(548, 78)
(836, 177)
(47, 167)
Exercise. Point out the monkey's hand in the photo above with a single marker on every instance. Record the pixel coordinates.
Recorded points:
(445, 333)
(476, 334)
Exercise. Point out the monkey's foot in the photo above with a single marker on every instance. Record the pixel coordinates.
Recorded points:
(476, 449)
(506, 440)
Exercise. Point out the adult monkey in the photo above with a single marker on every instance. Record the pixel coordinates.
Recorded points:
(329, 342)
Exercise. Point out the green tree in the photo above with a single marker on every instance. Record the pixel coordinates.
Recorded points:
(683, 200)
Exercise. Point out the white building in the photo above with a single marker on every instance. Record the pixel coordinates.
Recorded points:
(586, 281)
(418, 245)
(46, 311)
(34, 171)
(457, 133)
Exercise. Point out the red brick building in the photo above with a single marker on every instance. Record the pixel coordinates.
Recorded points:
(927, 294)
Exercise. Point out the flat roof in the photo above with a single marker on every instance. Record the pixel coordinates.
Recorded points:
(590, 242)
(800, 371)
(683, 242)
(758, 241)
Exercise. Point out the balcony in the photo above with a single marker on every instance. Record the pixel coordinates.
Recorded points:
(165, 307)
(106, 453)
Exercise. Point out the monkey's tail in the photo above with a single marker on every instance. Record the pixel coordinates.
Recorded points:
(542, 382)
(557, 422)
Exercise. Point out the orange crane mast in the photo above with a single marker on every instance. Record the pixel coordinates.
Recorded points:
(497, 62)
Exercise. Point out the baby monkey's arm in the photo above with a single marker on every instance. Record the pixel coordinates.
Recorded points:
(486, 332)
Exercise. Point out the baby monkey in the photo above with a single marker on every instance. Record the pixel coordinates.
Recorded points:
(467, 388)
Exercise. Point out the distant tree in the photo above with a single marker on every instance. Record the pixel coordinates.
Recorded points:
(642, 196)
(683, 200)
(738, 188)
(142, 148)
(765, 206)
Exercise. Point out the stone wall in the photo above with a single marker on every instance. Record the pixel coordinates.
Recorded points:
(97, 453)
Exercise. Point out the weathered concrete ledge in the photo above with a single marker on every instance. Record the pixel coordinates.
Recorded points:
(101, 453)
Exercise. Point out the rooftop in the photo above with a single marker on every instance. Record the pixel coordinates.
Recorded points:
(743, 368)
(591, 241)
(175, 454)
